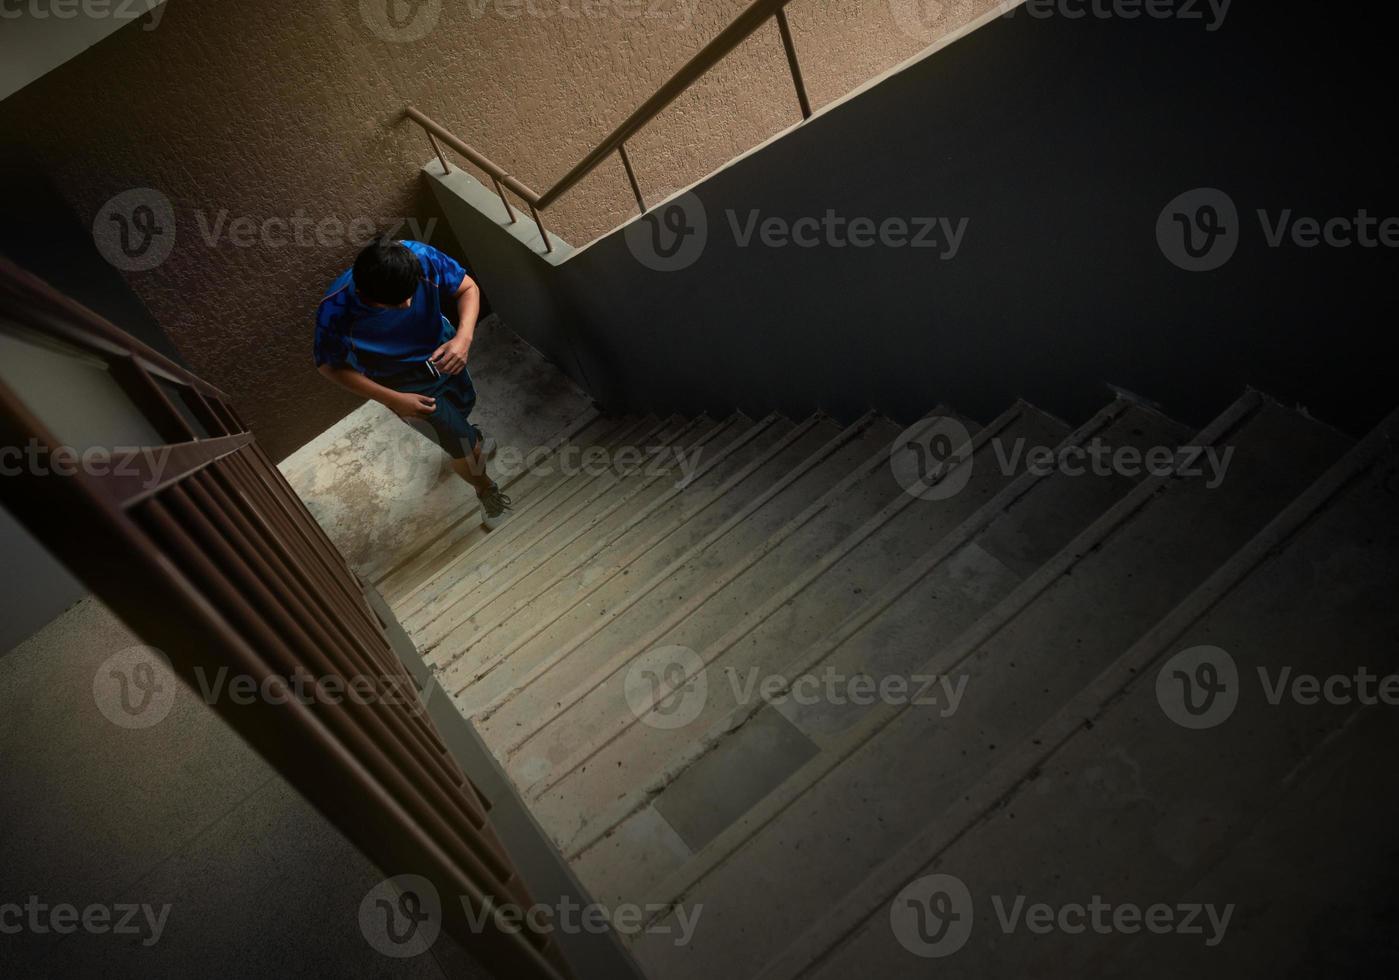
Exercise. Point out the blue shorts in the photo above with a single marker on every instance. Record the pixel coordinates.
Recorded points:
(448, 425)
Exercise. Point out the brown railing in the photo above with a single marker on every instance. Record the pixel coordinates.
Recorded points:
(214, 559)
(743, 27)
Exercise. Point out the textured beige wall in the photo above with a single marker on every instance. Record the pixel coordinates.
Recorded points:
(270, 110)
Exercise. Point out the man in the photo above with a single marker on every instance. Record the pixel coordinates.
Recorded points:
(381, 333)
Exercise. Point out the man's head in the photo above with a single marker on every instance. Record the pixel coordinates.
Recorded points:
(386, 274)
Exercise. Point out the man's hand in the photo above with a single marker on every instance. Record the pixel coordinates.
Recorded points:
(411, 406)
(450, 358)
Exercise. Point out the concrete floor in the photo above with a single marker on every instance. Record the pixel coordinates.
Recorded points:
(182, 814)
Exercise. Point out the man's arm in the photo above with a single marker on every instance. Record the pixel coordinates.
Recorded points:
(398, 402)
(450, 358)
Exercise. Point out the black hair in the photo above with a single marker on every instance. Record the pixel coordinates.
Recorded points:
(386, 272)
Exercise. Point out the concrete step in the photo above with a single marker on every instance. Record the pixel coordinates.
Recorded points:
(958, 578)
(528, 645)
(646, 540)
(410, 574)
(663, 474)
(572, 715)
(572, 650)
(399, 574)
(561, 482)
(560, 479)
(1015, 666)
(1127, 794)
(812, 581)
(1315, 875)
(621, 486)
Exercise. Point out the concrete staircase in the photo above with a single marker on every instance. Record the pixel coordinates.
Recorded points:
(756, 671)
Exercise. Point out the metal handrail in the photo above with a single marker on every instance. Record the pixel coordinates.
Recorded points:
(213, 558)
(743, 27)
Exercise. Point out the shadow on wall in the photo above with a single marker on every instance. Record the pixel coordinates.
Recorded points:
(1008, 218)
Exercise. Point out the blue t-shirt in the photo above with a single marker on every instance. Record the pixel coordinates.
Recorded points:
(378, 341)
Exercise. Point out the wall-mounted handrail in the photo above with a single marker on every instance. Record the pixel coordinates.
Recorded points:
(743, 27)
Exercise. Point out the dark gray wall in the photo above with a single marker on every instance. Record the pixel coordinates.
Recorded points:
(1061, 141)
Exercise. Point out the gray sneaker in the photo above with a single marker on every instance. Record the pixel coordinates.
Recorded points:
(494, 504)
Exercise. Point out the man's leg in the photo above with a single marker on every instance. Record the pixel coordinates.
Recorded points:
(449, 427)
(472, 469)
